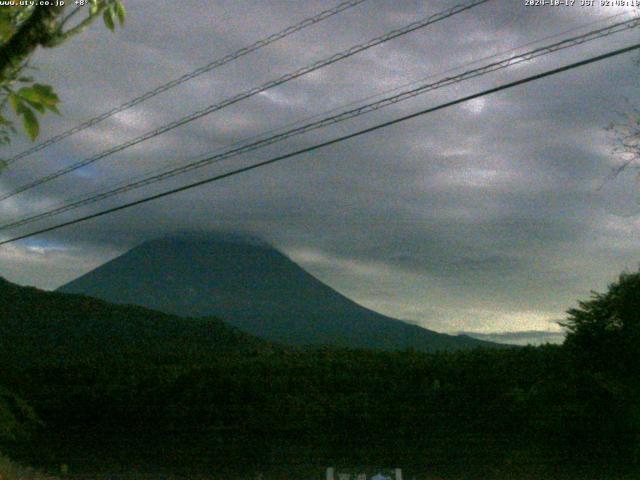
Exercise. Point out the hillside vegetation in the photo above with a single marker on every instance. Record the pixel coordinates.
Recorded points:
(52, 329)
(122, 389)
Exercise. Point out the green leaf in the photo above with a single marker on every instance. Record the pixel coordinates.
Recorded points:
(107, 16)
(37, 105)
(30, 94)
(3, 163)
(31, 124)
(40, 97)
(6, 28)
(21, 107)
(121, 12)
(54, 109)
(46, 90)
(46, 94)
(15, 102)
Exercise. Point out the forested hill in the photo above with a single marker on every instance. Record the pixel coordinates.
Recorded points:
(55, 328)
(126, 390)
(253, 286)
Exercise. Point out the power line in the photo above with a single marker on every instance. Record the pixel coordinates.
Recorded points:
(338, 108)
(250, 93)
(188, 76)
(369, 97)
(67, 203)
(346, 115)
(330, 142)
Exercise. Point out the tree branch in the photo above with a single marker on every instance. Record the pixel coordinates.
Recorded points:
(38, 29)
(69, 17)
(62, 36)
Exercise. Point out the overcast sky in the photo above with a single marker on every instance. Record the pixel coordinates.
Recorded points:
(485, 217)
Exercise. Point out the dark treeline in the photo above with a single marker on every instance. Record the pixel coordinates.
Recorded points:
(135, 392)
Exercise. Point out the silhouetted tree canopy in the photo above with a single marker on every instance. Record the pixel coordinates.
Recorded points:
(605, 331)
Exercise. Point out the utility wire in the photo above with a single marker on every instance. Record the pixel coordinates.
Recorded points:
(250, 93)
(379, 94)
(188, 76)
(346, 115)
(348, 104)
(333, 141)
(359, 101)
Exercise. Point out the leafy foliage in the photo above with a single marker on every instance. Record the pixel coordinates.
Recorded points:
(17, 418)
(604, 341)
(111, 13)
(23, 28)
(27, 102)
(11, 471)
(605, 331)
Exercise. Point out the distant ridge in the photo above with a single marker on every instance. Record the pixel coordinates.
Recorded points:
(251, 285)
(526, 337)
(50, 328)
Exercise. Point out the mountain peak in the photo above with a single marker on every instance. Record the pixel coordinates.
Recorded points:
(251, 285)
(225, 236)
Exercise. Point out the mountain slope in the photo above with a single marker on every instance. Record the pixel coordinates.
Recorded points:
(254, 287)
(55, 328)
